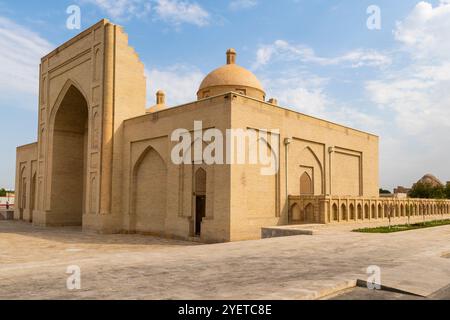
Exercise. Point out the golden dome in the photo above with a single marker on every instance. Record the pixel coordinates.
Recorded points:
(231, 77)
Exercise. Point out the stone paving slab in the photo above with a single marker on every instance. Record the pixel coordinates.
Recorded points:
(276, 232)
(33, 263)
(428, 278)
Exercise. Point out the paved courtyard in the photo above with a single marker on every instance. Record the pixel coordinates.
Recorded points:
(33, 264)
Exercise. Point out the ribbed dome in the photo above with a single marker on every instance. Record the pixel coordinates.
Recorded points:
(430, 179)
(231, 77)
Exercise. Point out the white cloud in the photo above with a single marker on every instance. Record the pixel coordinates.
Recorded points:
(411, 92)
(285, 51)
(175, 12)
(408, 102)
(21, 50)
(236, 5)
(179, 82)
(178, 12)
(296, 87)
(299, 90)
(123, 9)
(416, 105)
(425, 30)
(307, 93)
(416, 96)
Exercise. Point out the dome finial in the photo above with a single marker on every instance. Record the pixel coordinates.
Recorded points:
(231, 78)
(231, 56)
(160, 97)
(160, 103)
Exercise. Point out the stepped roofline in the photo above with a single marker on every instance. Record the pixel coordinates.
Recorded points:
(76, 38)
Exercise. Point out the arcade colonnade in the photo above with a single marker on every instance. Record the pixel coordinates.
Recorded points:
(330, 209)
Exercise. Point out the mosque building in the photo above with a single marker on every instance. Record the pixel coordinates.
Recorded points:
(104, 161)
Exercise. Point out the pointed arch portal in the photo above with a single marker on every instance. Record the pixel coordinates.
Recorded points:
(69, 157)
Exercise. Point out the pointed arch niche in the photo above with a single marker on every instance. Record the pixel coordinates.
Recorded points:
(149, 205)
(306, 184)
(305, 168)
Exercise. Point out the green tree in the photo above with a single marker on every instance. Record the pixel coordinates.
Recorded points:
(2, 192)
(447, 191)
(382, 191)
(420, 190)
(438, 192)
(428, 191)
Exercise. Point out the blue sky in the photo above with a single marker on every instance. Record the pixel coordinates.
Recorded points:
(317, 57)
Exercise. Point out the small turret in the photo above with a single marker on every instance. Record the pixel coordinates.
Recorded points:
(160, 102)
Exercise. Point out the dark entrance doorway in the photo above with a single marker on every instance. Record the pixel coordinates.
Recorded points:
(200, 213)
(200, 200)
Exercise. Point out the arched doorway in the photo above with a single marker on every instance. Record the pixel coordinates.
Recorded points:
(366, 211)
(69, 154)
(200, 199)
(335, 212)
(306, 185)
(296, 214)
(344, 212)
(309, 213)
(352, 212)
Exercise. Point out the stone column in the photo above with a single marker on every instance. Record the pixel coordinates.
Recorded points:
(108, 121)
(330, 171)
